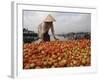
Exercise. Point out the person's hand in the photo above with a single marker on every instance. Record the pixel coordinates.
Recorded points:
(56, 39)
(39, 41)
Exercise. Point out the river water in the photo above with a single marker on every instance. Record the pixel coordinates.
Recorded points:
(58, 37)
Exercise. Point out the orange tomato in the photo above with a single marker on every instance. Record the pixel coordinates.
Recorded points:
(58, 53)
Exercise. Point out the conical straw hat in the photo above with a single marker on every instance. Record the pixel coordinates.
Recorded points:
(49, 18)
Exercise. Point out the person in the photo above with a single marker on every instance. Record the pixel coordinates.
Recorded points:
(44, 28)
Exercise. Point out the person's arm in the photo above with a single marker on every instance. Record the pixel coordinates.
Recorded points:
(52, 30)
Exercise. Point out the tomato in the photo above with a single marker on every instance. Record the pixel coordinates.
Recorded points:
(58, 53)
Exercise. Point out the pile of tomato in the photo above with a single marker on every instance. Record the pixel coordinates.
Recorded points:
(56, 54)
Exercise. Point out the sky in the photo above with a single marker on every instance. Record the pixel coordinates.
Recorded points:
(65, 21)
